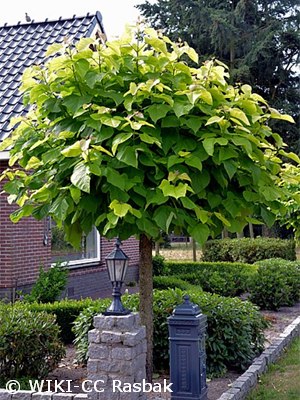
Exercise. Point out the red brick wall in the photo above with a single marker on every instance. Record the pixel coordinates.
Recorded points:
(21, 246)
(130, 248)
(22, 250)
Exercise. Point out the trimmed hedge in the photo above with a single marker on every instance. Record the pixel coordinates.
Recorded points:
(234, 334)
(171, 282)
(276, 284)
(248, 250)
(226, 279)
(66, 311)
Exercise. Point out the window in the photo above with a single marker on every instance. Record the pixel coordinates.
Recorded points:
(64, 252)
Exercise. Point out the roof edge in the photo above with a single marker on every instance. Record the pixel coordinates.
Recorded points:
(97, 14)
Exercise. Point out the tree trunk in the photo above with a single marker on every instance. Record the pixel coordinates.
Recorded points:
(251, 231)
(146, 298)
(157, 248)
(225, 233)
(194, 249)
(240, 234)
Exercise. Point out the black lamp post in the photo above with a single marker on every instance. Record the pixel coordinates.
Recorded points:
(117, 263)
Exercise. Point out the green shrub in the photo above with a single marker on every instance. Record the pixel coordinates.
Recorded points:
(248, 250)
(29, 343)
(159, 266)
(276, 284)
(226, 279)
(235, 328)
(49, 284)
(66, 311)
(170, 282)
(83, 324)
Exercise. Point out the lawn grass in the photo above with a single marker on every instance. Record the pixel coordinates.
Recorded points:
(282, 381)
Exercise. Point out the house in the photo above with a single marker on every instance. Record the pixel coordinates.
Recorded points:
(25, 246)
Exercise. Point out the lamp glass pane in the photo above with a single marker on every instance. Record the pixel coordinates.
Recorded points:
(124, 269)
(119, 264)
(111, 270)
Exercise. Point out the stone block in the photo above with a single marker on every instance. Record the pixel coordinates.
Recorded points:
(242, 383)
(111, 337)
(227, 396)
(101, 378)
(98, 351)
(124, 323)
(133, 338)
(253, 369)
(42, 396)
(103, 322)
(252, 378)
(4, 395)
(94, 336)
(22, 395)
(140, 374)
(81, 396)
(138, 322)
(123, 353)
(63, 396)
(236, 392)
(92, 365)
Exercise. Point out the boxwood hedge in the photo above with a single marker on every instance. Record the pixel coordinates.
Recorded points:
(248, 250)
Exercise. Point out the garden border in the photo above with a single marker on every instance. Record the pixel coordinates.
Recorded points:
(242, 386)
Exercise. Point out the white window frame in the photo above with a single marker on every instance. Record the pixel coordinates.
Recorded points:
(84, 262)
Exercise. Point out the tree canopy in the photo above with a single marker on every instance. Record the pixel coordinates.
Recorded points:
(259, 40)
(127, 137)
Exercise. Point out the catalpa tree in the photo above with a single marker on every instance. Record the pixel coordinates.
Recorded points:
(125, 136)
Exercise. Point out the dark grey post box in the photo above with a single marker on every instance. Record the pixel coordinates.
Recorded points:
(187, 327)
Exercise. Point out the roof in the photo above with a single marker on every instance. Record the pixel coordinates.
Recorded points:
(25, 44)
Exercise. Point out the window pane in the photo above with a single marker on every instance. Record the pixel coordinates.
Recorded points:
(63, 251)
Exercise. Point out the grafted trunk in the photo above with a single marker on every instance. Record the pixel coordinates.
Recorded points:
(146, 298)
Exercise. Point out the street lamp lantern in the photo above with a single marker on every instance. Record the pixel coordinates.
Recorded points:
(117, 263)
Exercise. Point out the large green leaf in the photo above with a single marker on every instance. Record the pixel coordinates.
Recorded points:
(173, 191)
(81, 177)
(59, 208)
(129, 156)
(158, 111)
(115, 178)
(209, 145)
(74, 102)
(72, 151)
(200, 233)
(120, 138)
(120, 209)
(181, 108)
(240, 115)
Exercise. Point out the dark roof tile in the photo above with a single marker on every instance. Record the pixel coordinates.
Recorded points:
(23, 45)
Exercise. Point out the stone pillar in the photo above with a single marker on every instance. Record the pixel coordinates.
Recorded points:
(117, 358)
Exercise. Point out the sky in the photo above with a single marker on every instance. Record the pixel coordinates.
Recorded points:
(115, 13)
